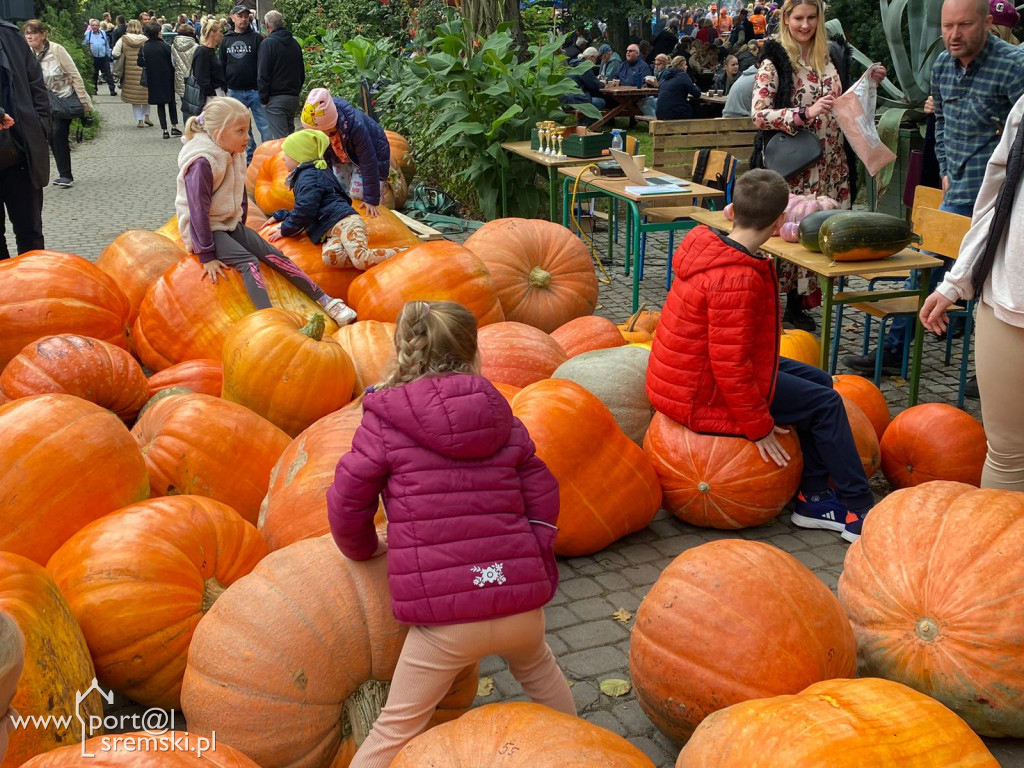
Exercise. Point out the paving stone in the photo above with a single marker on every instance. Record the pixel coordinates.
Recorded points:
(612, 581)
(786, 542)
(632, 718)
(592, 608)
(577, 589)
(565, 571)
(594, 662)
(676, 545)
(593, 633)
(833, 554)
(586, 694)
(611, 559)
(559, 617)
(555, 643)
(490, 665)
(809, 559)
(641, 574)
(653, 750)
(815, 538)
(626, 600)
(640, 553)
(605, 720)
(829, 579)
(665, 528)
(506, 684)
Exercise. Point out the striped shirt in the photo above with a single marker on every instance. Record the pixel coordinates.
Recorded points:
(971, 106)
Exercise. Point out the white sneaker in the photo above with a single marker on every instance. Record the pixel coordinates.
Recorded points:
(340, 312)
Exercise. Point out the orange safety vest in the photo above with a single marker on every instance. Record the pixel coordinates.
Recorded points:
(724, 23)
(760, 24)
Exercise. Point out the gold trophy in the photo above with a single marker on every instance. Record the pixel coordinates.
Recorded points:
(540, 136)
(550, 125)
(561, 154)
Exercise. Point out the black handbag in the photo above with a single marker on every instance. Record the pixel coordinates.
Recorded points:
(192, 98)
(65, 107)
(789, 155)
(141, 61)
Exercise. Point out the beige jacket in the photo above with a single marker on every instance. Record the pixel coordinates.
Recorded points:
(132, 89)
(228, 186)
(60, 75)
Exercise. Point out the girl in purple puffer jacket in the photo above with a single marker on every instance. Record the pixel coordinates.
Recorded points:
(471, 523)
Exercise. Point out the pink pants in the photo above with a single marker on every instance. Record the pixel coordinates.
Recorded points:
(433, 656)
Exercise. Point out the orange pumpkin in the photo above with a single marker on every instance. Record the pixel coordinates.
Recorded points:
(77, 365)
(118, 572)
(282, 367)
(542, 272)
(195, 444)
(57, 661)
(135, 259)
(523, 734)
(402, 154)
(682, 667)
(63, 463)
(45, 292)
(720, 482)
(607, 487)
(385, 230)
(309, 258)
(203, 376)
(864, 437)
(184, 317)
(837, 724)
(517, 354)
(640, 327)
(868, 398)
(271, 191)
(123, 750)
(371, 347)
(587, 333)
(933, 590)
(264, 151)
(395, 192)
(435, 271)
(933, 441)
(295, 506)
(801, 346)
(170, 230)
(508, 391)
(292, 663)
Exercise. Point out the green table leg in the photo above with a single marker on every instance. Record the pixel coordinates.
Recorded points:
(915, 360)
(612, 210)
(828, 290)
(633, 246)
(565, 201)
(552, 193)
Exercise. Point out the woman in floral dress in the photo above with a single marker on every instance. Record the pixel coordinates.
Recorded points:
(796, 86)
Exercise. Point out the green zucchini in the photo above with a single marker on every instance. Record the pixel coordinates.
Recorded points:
(810, 228)
(862, 236)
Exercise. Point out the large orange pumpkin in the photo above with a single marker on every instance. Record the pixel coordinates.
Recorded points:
(606, 486)
(517, 354)
(933, 441)
(144, 749)
(203, 376)
(57, 661)
(292, 663)
(433, 271)
(135, 259)
(933, 590)
(863, 437)
(264, 151)
(63, 463)
(45, 292)
(868, 398)
(283, 368)
(295, 506)
(518, 734)
(837, 724)
(587, 333)
(169, 229)
(371, 346)
(77, 365)
(542, 272)
(801, 346)
(717, 481)
(712, 630)
(402, 154)
(271, 191)
(210, 447)
(308, 256)
(139, 580)
(185, 317)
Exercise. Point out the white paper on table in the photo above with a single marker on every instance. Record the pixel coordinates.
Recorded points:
(658, 189)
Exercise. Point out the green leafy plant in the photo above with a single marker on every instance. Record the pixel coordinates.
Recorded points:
(371, 18)
(337, 64)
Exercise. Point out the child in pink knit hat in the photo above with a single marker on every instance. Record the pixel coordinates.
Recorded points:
(360, 154)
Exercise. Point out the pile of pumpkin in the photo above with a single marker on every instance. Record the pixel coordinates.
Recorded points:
(166, 534)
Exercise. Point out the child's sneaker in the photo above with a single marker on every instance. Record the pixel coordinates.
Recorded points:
(820, 510)
(340, 312)
(851, 532)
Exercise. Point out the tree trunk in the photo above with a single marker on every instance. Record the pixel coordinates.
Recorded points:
(618, 33)
(485, 16)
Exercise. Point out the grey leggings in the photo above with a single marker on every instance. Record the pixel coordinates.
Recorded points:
(243, 250)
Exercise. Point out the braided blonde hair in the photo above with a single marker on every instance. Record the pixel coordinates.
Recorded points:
(12, 644)
(432, 337)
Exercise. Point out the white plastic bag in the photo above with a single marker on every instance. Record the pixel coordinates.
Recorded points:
(855, 111)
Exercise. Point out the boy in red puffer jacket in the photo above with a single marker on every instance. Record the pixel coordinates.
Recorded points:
(471, 523)
(715, 366)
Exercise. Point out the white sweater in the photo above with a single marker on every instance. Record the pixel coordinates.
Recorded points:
(228, 186)
(1004, 288)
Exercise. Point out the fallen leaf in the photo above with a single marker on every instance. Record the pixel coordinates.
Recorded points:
(622, 615)
(485, 687)
(613, 687)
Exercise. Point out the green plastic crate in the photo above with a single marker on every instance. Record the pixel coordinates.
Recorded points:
(579, 145)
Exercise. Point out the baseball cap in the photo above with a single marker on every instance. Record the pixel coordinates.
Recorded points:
(605, 48)
(240, 9)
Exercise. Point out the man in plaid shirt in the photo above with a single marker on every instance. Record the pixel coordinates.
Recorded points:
(975, 83)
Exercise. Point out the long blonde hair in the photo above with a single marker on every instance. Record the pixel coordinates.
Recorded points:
(432, 337)
(819, 50)
(218, 112)
(12, 644)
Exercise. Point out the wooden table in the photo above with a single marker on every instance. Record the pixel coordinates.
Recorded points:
(718, 100)
(827, 272)
(627, 102)
(522, 149)
(615, 188)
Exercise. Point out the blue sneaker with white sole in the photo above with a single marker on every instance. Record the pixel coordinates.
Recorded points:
(851, 531)
(820, 510)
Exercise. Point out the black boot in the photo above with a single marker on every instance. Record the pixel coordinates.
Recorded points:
(796, 315)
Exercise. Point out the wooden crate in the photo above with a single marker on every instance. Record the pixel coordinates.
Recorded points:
(674, 141)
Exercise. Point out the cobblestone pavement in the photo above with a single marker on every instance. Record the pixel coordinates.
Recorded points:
(124, 180)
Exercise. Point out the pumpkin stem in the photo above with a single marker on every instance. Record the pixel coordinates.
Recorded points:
(315, 327)
(212, 589)
(927, 629)
(539, 277)
(362, 708)
(703, 487)
(635, 316)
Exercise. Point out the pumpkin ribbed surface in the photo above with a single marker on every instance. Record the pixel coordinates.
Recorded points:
(801, 346)
(270, 190)
(371, 346)
(517, 354)
(933, 441)
(587, 333)
(863, 437)
(203, 376)
(135, 259)
(264, 151)
(867, 397)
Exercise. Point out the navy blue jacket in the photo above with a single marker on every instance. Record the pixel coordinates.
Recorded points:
(320, 203)
(366, 145)
(674, 96)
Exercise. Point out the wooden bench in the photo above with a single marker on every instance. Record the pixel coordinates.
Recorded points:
(674, 141)
(421, 230)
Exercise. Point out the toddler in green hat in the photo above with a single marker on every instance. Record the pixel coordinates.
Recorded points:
(323, 208)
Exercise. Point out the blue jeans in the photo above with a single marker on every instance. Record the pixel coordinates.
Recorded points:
(898, 330)
(251, 99)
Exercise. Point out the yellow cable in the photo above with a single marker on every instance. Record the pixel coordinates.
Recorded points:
(607, 279)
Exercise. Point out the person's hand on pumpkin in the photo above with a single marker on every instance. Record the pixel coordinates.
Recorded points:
(371, 211)
(934, 315)
(771, 449)
(213, 269)
(272, 232)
